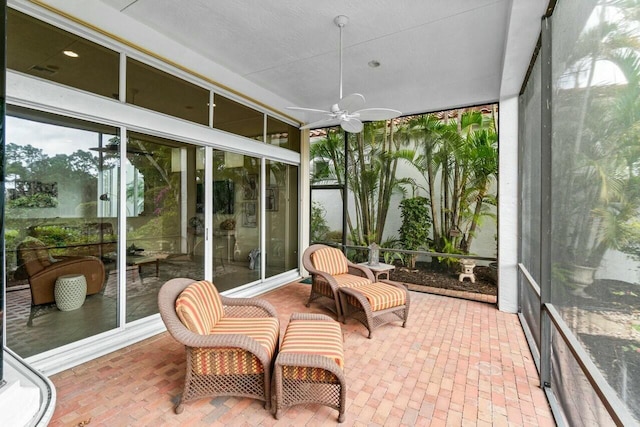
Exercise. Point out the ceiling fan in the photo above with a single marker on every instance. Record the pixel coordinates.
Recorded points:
(348, 110)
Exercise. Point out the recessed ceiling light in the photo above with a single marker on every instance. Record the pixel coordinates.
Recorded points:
(70, 53)
(374, 64)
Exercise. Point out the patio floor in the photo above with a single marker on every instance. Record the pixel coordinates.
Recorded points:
(457, 363)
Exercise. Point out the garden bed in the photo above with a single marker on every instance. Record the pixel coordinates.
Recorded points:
(426, 275)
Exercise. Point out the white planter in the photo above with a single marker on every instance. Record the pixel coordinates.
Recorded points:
(581, 277)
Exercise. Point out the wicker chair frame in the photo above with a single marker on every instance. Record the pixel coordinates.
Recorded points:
(291, 391)
(196, 386)
(361, 310)
(318, 293)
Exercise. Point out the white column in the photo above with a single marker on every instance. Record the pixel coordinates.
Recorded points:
(508, 206)
(304, 194)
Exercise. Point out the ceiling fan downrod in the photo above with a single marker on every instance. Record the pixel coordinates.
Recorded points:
(341, 21)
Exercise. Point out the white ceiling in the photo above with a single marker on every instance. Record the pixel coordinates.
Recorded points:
(434, 54)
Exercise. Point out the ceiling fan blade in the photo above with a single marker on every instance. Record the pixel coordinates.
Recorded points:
(351, 125)
(310, 110)
(319, 123)
(351, 102)
(374, 114)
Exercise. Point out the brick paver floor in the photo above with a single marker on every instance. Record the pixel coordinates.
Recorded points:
(457, 363)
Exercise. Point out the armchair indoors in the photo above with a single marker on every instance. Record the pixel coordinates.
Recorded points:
(41, 269)
(230, 343)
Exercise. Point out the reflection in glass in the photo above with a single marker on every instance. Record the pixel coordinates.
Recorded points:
(37, 48)
(165, 232)
(236, 220)
(283, 134)
(156, 90)
(54, 227)
(281, 215)
(233, 117)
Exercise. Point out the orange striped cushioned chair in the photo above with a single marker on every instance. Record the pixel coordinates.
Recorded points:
(330, 270)
(230, 342)
(352, 289)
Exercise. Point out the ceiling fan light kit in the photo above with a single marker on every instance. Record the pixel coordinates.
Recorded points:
(348, 110)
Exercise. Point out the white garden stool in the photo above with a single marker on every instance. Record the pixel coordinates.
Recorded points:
(70, 291)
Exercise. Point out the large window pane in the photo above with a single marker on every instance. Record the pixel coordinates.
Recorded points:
(283, 134)
(236, 219)
(281, 207)
(595, 197)
(54, 227)
(38, 49)
(165, 231)
(233, 117)
(156, 90)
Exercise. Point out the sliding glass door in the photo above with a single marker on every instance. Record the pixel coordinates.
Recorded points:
(281, 218)
(56, 225)
(236, 219)
(164, 209)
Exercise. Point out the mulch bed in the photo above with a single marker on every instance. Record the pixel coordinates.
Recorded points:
(609, 294)
(422, 275)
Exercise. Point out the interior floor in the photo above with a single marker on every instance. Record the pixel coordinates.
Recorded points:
(52, 328)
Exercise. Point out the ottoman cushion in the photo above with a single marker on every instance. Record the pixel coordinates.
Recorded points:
(319, 337)
(381, 296)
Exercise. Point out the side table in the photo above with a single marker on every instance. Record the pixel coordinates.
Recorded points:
(379, 269)
(70, 291)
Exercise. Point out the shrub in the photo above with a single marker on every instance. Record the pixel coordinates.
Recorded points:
(319, 226)
(416, 223)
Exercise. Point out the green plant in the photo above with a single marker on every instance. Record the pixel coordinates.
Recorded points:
(39, 200)
(11, 238)
(334, 236)
(391, 256)
(319, 226)
(416, 224)
(54, 235)
(450, 248)
(372, 160)
(598, 200)
(459, 160)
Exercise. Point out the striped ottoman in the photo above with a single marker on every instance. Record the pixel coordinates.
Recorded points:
(376, 304)
(310, 365)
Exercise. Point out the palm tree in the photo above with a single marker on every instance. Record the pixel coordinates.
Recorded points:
(461, 153)
(374, 155)
(427, 131)
(600, 199)
(372, 161)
